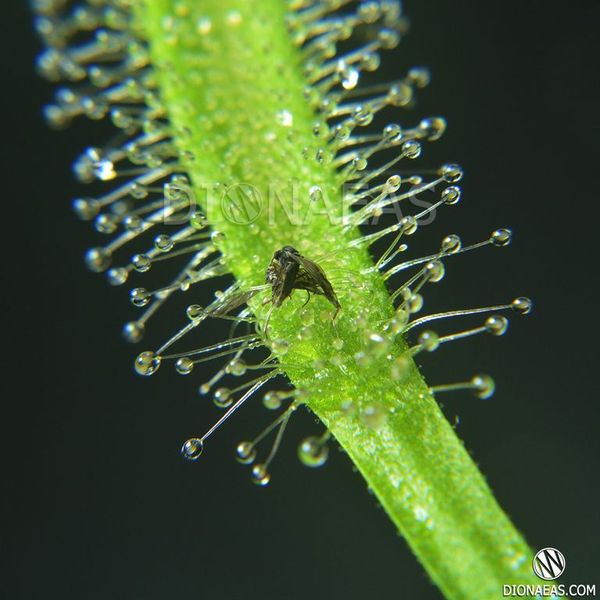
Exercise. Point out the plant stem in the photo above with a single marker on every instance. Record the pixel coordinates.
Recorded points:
(232, 84)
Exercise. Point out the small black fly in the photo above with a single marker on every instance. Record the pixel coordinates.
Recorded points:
(290, 271)
(287, 271)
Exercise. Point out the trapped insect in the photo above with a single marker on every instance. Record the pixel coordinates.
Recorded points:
(287, 271)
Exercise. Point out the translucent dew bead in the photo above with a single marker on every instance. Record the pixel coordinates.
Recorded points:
(432, 128)
(496, 325)
(451, 195)
(147, 363)
(163, 243)
(117, 276)
(245, 452)
(192, 449)
(133, 331)
(501, 237)
(260, 475)
(429, 340)
(313, 452)
(97, 259)
(411, 149)
(86, 208)
(140, 297)
(141, 262)
(272, 401)
(184, 365)
(483, 386)
(522, 305)
(451, 173)
(222, 397)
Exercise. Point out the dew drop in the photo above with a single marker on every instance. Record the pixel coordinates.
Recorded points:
(414, 303)
(138, 191)
(349, 75)
(147, 363)
(496, 325)
(451, 173)
(192, 449)
(312, 452)
(237, 367)
(393, 183)
(320, 130)
(106, 224)
(133, 331)
(484, 386)
(97, 259)
(280, 346)
(432, 128)
(117, 276)
(120, 119)
(435, 271)
(429, 340)
(198, 220)
(363, 115)
(400, 94)
(501, 237)
(451, 195)
(411, 149)
(194, 311)
(272, 401)
(327, 106)
(392, 133)
(141, 262)
(260, 475)
(184, 365)
(451, 244)
(397, 325)
(408, 225)
(222, 397)
(341, 132)
(140, 297)
(86, 208)
(104, 170)
(133, 223)
(370, 61)
(369, 12)
(216, 237)
(522, 305)
(420, 76)
(402, 315)
(359, 163)
(388, 38)
(245, 453)
(315, 193)
(163, 243)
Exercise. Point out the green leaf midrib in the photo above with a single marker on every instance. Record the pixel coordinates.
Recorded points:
(412, 459)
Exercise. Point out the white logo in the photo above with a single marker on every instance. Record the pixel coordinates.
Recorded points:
(549, 564)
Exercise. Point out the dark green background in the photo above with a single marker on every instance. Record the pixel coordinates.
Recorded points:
(99, 504)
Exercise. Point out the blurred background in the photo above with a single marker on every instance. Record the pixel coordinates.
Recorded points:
(99, 503)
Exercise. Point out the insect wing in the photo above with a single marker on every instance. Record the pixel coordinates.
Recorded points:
(317, 275)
